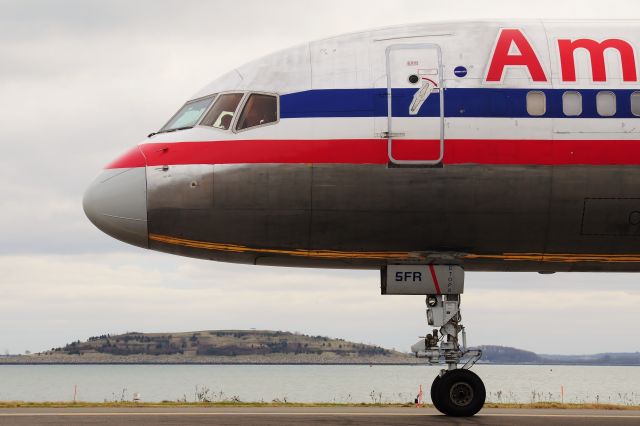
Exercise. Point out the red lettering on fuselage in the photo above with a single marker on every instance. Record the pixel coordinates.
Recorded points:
(503, 58)
(567, 49)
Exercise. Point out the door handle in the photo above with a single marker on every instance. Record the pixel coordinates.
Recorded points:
(420, 97)
(387, 135)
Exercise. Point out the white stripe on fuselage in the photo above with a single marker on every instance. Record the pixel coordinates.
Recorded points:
(421, 128)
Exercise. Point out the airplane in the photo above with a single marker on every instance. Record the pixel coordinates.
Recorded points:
(423, 151)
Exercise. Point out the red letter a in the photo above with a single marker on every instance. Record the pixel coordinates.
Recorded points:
(503, 58)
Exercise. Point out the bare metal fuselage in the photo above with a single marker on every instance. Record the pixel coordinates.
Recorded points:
(537, 218)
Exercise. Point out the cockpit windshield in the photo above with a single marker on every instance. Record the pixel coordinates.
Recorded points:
(222, 112)
(188, 115)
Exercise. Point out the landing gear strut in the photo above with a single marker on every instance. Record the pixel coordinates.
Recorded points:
(456, 391)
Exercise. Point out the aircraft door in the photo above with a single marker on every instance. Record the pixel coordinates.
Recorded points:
(415, 104)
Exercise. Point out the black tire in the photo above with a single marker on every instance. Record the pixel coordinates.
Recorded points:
(435, 393)
(461, 393)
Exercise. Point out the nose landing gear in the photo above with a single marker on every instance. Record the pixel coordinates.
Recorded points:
(456, 391)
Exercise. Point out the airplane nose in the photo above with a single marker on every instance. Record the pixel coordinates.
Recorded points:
(116, 203)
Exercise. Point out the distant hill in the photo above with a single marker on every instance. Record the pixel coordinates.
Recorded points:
(223, 343)
(506, 355)
(597, 359)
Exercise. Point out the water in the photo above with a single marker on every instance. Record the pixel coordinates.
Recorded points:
(308, 383)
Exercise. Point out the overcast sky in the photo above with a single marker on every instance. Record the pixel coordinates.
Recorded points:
(82, 81)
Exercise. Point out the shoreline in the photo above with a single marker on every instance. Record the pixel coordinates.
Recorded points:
(276, 359)
(219, 363)
(416, 362)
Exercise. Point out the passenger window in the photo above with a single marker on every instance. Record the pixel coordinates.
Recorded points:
(606, 103)
(259, 110)
(536, 104)
(572, 104)
(221, 113)
(635, 104)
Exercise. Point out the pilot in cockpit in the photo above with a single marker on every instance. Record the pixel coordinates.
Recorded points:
(225, 121)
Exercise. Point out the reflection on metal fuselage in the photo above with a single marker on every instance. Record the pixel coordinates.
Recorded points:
(365, 216)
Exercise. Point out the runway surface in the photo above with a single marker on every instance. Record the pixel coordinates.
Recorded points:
(308, 415)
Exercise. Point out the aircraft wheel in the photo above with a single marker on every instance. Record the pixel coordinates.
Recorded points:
(435, 393)
(460, 393)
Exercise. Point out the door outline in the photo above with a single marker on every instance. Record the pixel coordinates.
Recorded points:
(389, 134)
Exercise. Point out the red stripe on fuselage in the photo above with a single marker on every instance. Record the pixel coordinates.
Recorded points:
(374, 151)
(435, 279)
(130, 159)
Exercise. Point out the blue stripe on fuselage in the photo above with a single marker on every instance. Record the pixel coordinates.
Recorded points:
(478, 102)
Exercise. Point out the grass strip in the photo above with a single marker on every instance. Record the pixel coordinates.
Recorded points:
(175, 404)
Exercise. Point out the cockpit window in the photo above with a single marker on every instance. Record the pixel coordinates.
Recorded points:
(221, 113)
(259, 109)
(188, 115)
